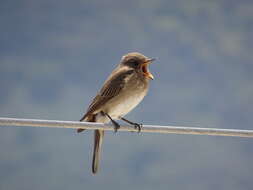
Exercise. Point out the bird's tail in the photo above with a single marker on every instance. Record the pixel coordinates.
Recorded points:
(98, 139)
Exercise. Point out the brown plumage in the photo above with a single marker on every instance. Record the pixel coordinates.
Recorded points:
(122, 91)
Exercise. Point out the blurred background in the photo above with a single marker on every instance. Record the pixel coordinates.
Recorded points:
(55, 55)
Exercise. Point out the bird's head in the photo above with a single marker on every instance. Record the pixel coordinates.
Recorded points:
(138, 62)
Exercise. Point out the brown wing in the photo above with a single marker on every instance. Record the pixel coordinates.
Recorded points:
(110, 89)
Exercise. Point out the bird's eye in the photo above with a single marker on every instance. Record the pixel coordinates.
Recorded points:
(135, 63)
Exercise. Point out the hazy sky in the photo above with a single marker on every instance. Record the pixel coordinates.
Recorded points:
(55, 55)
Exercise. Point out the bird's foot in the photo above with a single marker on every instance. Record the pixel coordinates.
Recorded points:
(137, 126)
(116, 126)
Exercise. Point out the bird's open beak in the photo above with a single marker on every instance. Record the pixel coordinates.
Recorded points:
(144, 68)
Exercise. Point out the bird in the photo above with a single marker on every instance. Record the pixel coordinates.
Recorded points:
(123, 90)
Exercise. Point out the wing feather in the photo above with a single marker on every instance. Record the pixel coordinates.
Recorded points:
(111, 88)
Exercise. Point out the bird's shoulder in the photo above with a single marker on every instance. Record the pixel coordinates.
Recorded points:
(115, 82)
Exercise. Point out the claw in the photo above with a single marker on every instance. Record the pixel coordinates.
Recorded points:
(139, 126)
(136, 125)
(116, 126)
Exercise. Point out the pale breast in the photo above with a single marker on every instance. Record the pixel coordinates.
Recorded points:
(128, 99)
(121, 108)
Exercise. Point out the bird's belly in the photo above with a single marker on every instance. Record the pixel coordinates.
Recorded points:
(121, 106)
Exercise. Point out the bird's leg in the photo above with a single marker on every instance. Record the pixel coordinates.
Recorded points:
(136, 125)
(115, 124)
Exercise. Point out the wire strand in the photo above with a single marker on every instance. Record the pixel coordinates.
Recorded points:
(17, 122)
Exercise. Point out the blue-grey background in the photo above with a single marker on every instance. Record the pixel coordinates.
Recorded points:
(55, 55)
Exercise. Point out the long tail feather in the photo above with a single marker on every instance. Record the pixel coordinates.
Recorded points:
(98, 139)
